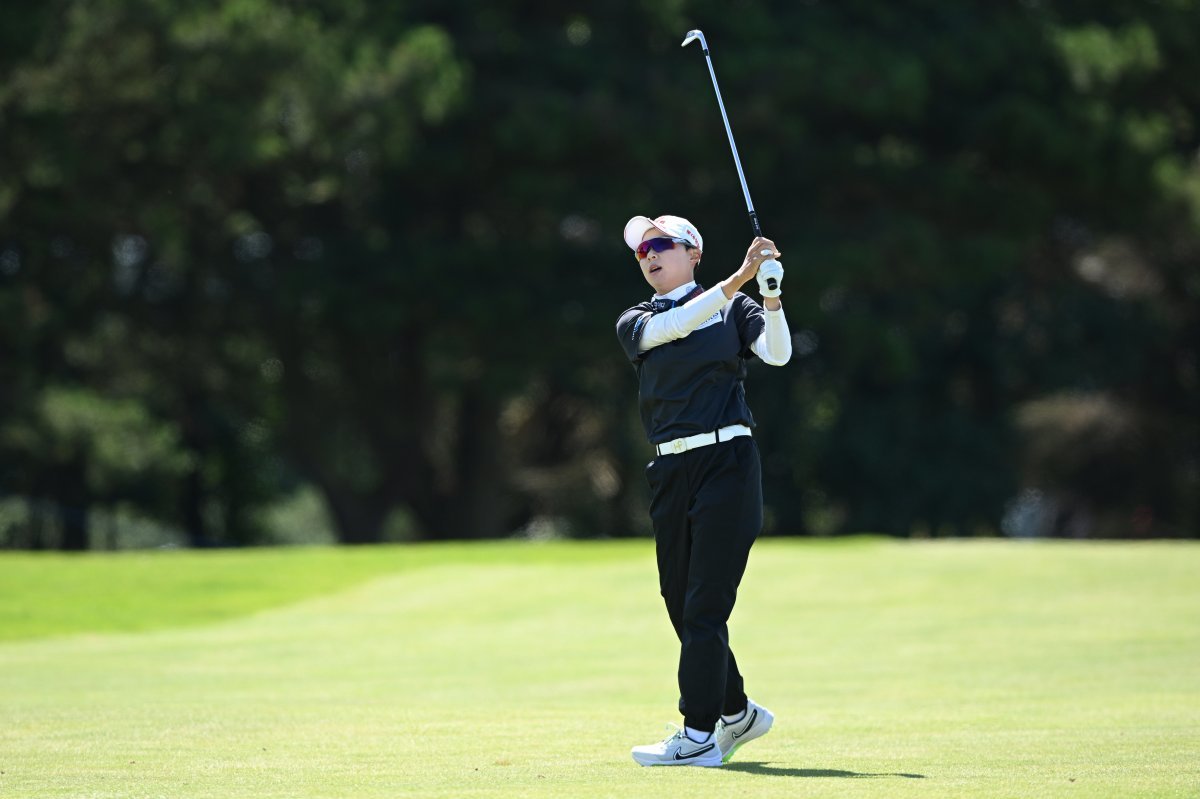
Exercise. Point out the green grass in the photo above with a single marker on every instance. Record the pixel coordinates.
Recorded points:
(945, 669)
(48, 594)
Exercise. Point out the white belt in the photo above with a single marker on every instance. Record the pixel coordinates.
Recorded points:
(701, 440)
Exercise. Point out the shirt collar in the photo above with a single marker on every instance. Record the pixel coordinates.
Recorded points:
(675, 294)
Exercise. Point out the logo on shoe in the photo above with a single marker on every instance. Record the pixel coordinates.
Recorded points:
(749, 724)
(681, 755)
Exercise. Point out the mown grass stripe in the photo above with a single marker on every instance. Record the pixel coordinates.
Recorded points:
(930, 670)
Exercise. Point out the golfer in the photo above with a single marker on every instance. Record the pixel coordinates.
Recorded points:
(689, 347)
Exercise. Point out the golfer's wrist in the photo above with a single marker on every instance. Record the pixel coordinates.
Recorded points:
(733, 284)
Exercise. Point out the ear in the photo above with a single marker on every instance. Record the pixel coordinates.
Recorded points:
(695, 256)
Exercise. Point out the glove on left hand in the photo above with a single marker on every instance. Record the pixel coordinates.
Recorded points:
(770, 271)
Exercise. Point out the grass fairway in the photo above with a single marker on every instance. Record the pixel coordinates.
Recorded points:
(943, 669)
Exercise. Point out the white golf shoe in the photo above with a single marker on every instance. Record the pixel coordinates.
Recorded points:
(679, 750)
(754, 724)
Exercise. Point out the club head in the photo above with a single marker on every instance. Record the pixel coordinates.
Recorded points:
(693, 36)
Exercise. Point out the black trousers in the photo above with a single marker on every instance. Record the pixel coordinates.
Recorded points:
(706, 508)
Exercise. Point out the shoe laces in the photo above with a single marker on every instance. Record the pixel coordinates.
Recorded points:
(682, 735)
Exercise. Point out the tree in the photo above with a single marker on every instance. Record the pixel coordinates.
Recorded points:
(224, 136)
(374, 250)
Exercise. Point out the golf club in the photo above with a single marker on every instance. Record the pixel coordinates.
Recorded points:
(694, 35)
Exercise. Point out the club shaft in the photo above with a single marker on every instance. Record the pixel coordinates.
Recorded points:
(732, 146)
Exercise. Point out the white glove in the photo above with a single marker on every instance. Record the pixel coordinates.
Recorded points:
(770, 274)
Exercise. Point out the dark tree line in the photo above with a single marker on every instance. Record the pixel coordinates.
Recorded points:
(262, 250)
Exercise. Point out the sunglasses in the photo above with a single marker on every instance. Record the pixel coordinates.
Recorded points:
(660, 244)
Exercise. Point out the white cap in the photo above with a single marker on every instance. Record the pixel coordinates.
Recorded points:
(674, 227)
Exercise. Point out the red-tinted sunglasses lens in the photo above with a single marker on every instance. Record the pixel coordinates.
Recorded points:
(660, 244)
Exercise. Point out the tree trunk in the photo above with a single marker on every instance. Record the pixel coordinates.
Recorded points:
(480, 503)
(359, 519)
(72, 508)
(192, 511)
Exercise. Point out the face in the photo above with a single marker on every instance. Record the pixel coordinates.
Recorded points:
(670, 269)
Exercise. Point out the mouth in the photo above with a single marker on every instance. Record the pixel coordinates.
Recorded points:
(654, 269)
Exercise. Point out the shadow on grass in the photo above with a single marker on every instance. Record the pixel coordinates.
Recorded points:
(778, 771)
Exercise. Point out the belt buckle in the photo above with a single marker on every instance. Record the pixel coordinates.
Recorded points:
(679, 446)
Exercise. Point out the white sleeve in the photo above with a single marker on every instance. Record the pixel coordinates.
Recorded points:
(774, 344)
(678, 322)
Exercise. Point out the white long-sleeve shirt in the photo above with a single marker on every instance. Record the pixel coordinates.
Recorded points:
(773, 346)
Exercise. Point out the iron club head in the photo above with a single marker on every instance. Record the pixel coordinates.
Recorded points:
(692, 36)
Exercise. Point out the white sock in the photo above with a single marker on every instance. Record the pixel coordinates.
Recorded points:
(697, 736)
(734, 719)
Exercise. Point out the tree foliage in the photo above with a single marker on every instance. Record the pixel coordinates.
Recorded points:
(374, 251)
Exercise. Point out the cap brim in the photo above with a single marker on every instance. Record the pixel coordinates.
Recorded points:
(636, 228)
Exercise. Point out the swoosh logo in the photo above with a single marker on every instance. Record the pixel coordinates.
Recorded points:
(749, 724)
(680, 755)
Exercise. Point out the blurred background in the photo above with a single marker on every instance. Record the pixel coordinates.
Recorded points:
(282, 272)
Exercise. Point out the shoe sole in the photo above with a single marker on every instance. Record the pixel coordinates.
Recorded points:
(656, 760)
(693, 763)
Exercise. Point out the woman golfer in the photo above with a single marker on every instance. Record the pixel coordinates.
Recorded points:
(689, 347)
